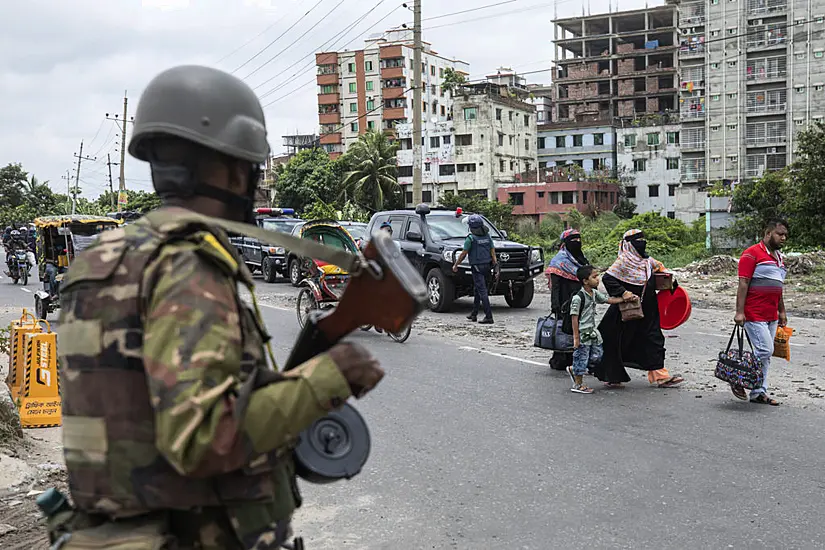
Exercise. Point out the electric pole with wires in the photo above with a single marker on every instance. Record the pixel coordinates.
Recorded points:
(80, 158)
(416, 110)
(109, 163)
(121, 122)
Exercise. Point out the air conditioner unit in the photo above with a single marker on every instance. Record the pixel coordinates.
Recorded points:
(771, 150)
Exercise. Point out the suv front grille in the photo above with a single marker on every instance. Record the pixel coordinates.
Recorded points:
(512, 258)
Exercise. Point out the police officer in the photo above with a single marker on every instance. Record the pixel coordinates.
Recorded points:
(174, 423)
(482, 252)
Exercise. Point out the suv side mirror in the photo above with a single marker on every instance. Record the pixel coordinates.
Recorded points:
(503, 233)
(415, 236)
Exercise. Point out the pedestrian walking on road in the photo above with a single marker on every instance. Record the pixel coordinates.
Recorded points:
(587, 342)
(759, 304)
(482, 253)
(564, 283)
(637, 343)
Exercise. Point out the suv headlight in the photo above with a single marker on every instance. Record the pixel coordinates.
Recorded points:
(535, 256)
(277, 250)
(448, 255)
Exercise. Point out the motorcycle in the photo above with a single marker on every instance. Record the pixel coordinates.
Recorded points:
(18, 264)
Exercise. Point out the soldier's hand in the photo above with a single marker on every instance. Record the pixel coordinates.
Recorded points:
(358, 366)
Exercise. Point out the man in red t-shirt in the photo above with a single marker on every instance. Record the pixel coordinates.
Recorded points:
(759, 304)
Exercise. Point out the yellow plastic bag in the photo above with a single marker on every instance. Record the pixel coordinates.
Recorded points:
(782, 343)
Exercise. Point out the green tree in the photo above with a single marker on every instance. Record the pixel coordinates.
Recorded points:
(625, 209)
(756, 202)
(452, 80)
(373, 174)
(804, 192)
(309, 176)
(500, 214)
(13, 180)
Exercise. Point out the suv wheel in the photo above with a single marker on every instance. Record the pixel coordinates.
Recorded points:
(440, 291)
(295, 272)
(522, 297)
(268, 271)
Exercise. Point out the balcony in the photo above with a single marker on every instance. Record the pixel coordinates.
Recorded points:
(331, 139)
(391, 52)
(395, 114)
(761, 74)
(766, 141)
(766, 109)
(692, 145)
(694, 175)
(329, 99)
(692, 114)
(772, 37)
(392, 93)
(330, 117)
(328, 79)
(766, 7)
(392, 72)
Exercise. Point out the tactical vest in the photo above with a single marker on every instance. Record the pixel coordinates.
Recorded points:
(114, 467)
(480, 250)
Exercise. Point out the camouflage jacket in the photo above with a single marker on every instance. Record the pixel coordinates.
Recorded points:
(155, 347)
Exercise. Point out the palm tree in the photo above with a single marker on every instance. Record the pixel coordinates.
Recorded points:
(373, 176)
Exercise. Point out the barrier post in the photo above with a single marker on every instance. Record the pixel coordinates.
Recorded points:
(28, 324)
(39, 404)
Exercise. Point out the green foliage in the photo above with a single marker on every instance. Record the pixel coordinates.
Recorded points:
(372, 176)
(354, 213)
(320, 210)
(452, 80)
(5, 334)
(625, 209)
(500, 214)
(719, 189)
(308, 177)
(758, 201)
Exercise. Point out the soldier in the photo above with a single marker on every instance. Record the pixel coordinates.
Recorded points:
(166, 431)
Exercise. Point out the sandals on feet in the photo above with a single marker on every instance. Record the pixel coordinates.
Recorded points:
(738, 392)
(674, 381)
(763, 399)
(581, 389)
(614, 385)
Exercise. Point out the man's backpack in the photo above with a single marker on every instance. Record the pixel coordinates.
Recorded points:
(567, 319)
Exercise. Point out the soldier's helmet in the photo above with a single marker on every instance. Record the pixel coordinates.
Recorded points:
(475, 222)
(204, 105)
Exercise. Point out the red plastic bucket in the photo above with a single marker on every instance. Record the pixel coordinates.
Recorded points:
(674, 309)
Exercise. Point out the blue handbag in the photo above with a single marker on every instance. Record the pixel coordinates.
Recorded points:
(549, 335)
(738, 366)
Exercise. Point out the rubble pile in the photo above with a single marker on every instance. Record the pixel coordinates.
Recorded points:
(806, 264)
(715, 265)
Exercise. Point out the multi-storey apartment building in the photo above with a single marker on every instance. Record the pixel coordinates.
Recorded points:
(371, 89)
(752, 76)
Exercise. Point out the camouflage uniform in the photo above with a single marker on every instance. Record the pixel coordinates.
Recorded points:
(155, 347)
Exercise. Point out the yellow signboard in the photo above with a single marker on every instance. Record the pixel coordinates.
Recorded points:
(39, 404)
(27, 324)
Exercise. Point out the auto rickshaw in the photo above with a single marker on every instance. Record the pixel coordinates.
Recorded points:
(59, 238)
(324, 283)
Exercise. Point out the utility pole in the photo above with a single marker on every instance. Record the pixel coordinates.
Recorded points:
(68, 178)
(80, 158)
(111, 189)
(122, 125)
(417, 103)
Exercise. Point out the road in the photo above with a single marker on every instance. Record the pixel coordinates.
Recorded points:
(477, 444)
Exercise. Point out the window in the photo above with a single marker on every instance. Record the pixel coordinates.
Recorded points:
(732, 127)
(501, 166)
(498, 114)
(426, 166)
(527, 120)
(673, 138)
(368, 67)
(435, 142)
(732, 95)
(578, 140)
(715, 97)
(541, 143)
(353, 107)
(800, 89)
(733, 159)
(351, 67)
(432, 70)
(370, 104)
(370, 85)
(631, 192)
(414, 225)
(639, 165)
(446, 169)
(652, 190)
(800, 55)
(819, 54)
(463, 140)
(353, 126)
(510, 115)
(371, 125)
(653, 139)
(567, 197)
(714, 2)
(526, 144)
(584, 197)
(598, 139)
(446, 140)
(443, 111)
(328, 89)
(799, 121)
(433, 89)
(540, 194)
(731, 63)
(630, 140)
(716, 160)
(820, 20)
(714, 65)
(440, 73)
(517, 199)
(671, 215)
(353, 88)
(512, 165)
(467, 167)
(426, 196)
(671, 190)
(714, 128)
(673, 163)
(714, 33)
(405, 171)
(424, 107)
(561, 141)
(511, 140)
(470, 113)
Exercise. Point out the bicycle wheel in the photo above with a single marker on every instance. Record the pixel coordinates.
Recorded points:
(305, 303)
(402, 336)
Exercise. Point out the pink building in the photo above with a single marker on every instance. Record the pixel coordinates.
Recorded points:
(538, 199)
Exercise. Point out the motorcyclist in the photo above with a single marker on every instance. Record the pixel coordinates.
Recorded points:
(6, 234)
(15, 242)
(27, 236)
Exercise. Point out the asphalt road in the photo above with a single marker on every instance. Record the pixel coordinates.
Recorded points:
(489, 449)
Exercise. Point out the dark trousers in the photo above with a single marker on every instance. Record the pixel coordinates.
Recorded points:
(480, 275)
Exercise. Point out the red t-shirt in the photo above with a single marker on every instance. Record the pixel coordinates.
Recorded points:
(767, 276)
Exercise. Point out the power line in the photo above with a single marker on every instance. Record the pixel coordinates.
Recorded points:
(262, 50)
(539, 6)
(271, 59)
(318, 49)
(470, 10)
(250, 41)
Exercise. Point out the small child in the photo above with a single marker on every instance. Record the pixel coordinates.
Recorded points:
(587, 342)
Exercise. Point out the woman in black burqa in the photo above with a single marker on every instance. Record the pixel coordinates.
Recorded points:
(639, 343)
(564, 283)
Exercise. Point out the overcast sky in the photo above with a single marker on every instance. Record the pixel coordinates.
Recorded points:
(64, 64)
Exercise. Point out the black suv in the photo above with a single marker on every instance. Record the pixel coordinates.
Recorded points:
(269, 260)
(432, 238)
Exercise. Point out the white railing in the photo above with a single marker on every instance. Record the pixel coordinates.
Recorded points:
(766, 108)
(765, 140)
(692, 145)
(691, 114)
(766, 74)
(691, 176)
